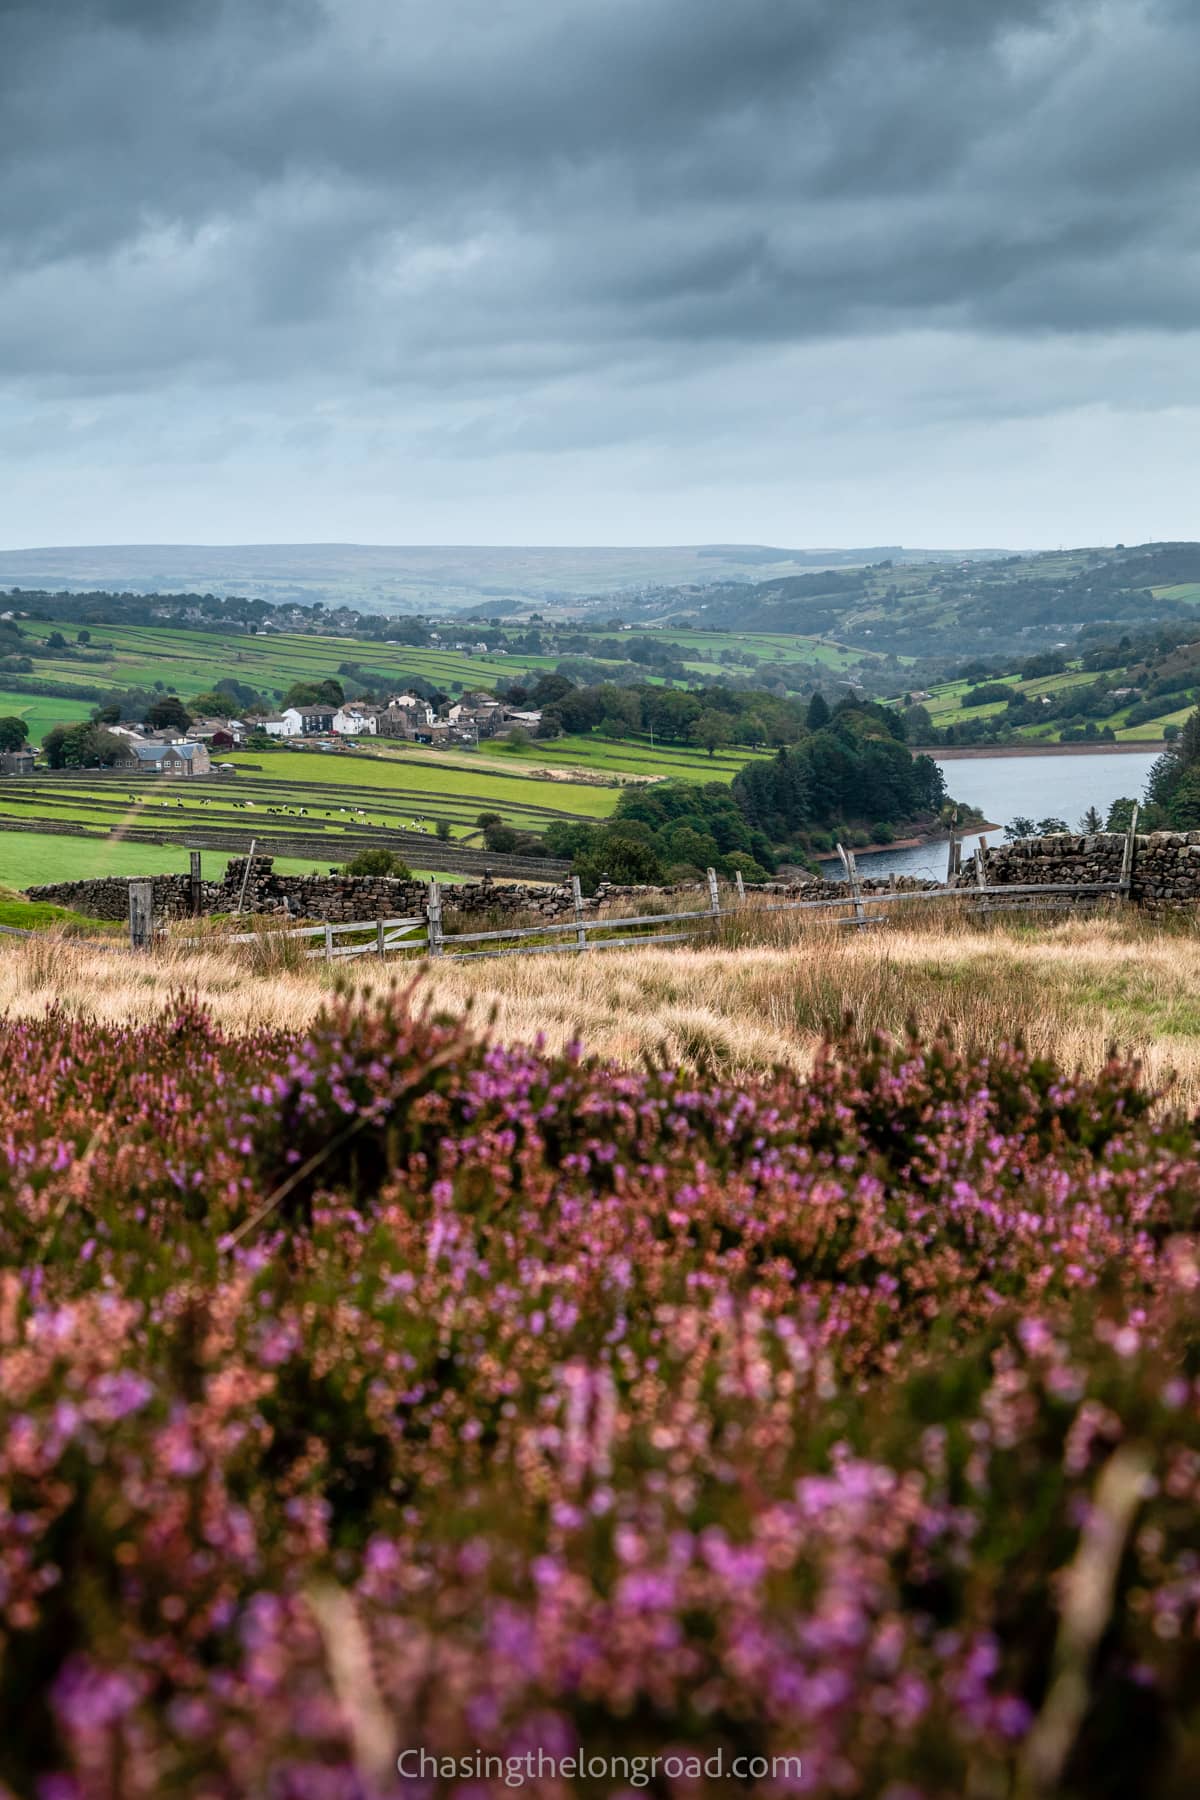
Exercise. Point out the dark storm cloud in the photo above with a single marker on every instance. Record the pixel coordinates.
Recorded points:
(389, 185)
(511, 262)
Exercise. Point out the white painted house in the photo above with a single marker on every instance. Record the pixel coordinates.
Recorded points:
(348, 721)
(288, 724)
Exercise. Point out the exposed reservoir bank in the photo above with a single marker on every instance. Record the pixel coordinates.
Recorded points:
(1006, 784)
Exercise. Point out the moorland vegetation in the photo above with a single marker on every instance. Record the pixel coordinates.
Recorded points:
(379, 1386)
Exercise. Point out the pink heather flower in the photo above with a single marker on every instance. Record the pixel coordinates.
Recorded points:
(115, 1396)
(89, 1699)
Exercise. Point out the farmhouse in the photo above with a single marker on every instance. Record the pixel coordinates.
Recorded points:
(404, 714)
(17, 762)
(316, 721)
(167, 759)
(297, 721)
(478, 715)
(221, 734)
(356, 721)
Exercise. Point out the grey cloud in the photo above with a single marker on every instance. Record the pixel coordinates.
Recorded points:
(530, 226)
(803, 168)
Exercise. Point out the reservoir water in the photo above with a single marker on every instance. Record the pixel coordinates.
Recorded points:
(1039, 787)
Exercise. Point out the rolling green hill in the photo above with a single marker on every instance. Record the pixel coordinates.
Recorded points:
(59, 687)
(1004, 607)
(1134, 690)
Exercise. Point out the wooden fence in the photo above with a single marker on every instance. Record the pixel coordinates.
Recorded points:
(854, 907)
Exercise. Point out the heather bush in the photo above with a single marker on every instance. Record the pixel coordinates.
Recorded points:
(385, 1388)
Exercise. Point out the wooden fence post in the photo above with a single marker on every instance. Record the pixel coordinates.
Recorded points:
(953, 858)
(1129, 854)
(246, 876)
(379, 937)
(141, 914)
(580, 927)
(714, 898)
(981, 864)
(197, 891)
(328, 942)
(741, 887)
(850, 865)
(433, 911)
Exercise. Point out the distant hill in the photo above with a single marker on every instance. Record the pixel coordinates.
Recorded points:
(931, 607)
(423, 577)
(947, 610)
(1125, 685)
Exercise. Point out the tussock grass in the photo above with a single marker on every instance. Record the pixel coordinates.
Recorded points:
(1071, 988)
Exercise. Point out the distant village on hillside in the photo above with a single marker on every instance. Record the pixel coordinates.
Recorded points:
(196, 749)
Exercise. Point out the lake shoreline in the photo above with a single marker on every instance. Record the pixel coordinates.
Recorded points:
(1035, 782)
(922, 842)
(969, 752)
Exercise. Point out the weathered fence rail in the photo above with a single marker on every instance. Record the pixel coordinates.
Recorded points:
(853, 906)
(380, 936)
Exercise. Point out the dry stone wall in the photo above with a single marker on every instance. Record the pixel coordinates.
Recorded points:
(331, 899)
(1166, 864)
(108, 897)
(1166, 873)
(350, 899)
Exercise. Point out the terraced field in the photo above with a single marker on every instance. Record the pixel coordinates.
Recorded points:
(192, 661)
(706, 648)
(391, 785)
(327, 806)
(677, 761)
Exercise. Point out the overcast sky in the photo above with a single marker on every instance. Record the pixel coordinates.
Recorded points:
(804, 272)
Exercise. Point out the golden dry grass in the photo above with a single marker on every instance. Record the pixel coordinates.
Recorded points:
(1071, 988)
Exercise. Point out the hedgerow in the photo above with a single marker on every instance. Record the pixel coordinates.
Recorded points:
(388, 1388)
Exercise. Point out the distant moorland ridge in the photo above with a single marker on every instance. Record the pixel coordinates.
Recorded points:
(384, 577)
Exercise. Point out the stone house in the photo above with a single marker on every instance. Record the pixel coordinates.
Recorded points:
(315, 721)
(403, 715)
(167, 759)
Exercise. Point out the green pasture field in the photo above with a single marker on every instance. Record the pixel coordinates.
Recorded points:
(423, 775)
(193, 661)
(765, 645)
(1152, 730)
(164, 807)
(30, 859)
(944, 708)
(40, 714)
(945, 703)
(340, 794)
(628, 756)
(40, 915)
(1184, 590)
